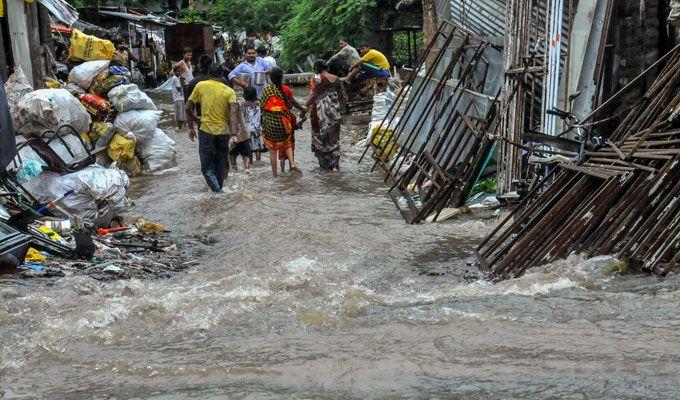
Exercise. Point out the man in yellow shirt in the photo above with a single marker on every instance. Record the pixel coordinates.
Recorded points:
(372, 64)
(219, 120)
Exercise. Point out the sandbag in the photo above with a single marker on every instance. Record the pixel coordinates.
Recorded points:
(121, 148)
(130, 97)
(99, 107)
(101, 133)
(89, 48)
(141, 123)
(96, 189)
(158, 153)
(119, 70)
(84, 74)
(47, 110)
(104, 82)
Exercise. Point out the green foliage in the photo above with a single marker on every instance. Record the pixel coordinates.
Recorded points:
(309, 27)
(401, 45)
(257, 16)
(192, 15)
(317, 24)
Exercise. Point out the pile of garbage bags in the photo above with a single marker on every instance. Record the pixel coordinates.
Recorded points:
(98, 113)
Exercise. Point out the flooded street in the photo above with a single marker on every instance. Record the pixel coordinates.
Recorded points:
(314, 287)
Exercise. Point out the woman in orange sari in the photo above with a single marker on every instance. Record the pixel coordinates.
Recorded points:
(277, 121)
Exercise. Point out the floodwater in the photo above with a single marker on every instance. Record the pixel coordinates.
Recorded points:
(313, 287)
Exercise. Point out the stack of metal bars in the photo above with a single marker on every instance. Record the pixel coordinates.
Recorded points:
(622, 199)
(445, 133)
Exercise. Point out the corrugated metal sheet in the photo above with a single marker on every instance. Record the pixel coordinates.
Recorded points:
(481, 17)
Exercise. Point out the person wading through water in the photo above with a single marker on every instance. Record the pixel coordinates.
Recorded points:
(219, 119)
(326, 117)
(277, 121)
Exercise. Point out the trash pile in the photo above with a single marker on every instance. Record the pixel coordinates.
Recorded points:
(64, 184)
(139, 250)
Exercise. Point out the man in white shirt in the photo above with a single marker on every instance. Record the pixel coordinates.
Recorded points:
(186, 66)
(178, 96)
(343, 59)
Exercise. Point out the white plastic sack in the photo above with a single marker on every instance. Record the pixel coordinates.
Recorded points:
(130, 97)
(85, 73)
(16, 87)
(142, 123)
(49, 109)
(158, 153)
(91, 185)
(165, 87)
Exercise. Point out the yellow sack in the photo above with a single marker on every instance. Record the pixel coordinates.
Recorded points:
(121, 148)
(89, 48)
(386, 146)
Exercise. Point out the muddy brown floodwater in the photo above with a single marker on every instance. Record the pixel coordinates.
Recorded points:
(313, 287)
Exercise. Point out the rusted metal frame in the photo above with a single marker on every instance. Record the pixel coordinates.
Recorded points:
(665, 134)
(405, 193)
(471, 126)
(404, 214)
(571, 223)
(402, 183)
(525, 201)
(610, 167)
(442, 198)
(440, 140)
(476, 168)
(652, 114)
(589, 171)
(633, 218)
(454, 157)
(595, 236)
(450, 138)
(652, 144)
(480, 151)
(617, 223)
(445, 139)
(445, 177)
(663, 249)
(431, 103)
(653, 237)
(530, 219)
(398, 101)
(439, 196)
(411, 105)
(667, 183)
(450, 196)
(607, 197)
(594, 205)
(540, 231)
(451, 143)
(470, 168)
(654, 258)
(624, 163)
(647, 155)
